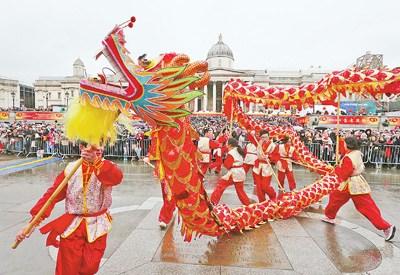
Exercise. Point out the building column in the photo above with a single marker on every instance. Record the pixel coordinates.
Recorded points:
(205, 98)
(196, 104)
(251, 105)
(222, 96)
(214, 94)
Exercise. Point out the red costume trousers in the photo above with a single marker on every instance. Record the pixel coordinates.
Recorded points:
(168, 207)
(364, 204)
(76, 256)
(204, 167)
(247, 167)
(217, 164)
(290, 178)
(223, 184)
(263, 186)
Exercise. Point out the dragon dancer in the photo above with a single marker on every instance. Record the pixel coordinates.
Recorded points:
(354, 186)
(218, 153)
(205, 145)
(84, 227)
(167, 210)
(235, 175)
(284, 164)
(250, 157)
(266, 150)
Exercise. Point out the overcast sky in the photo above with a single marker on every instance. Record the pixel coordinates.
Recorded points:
(44, 37)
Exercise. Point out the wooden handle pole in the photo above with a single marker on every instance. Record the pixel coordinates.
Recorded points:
(38, 216)
(305, 165)
(231, 122)
(337, 128)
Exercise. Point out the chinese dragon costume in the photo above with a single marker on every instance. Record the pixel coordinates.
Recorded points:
(158, 92)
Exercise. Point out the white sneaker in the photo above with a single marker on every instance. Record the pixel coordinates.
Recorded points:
(389, 233)
(328, 220)
(163, 225)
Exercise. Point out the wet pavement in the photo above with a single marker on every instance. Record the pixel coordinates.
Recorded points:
(136, 245)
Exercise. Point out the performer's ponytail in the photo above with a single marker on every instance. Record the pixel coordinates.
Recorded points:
(232, 142)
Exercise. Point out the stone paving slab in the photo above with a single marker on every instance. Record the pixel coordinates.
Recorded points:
(256, 248)
(232, 270)
(306, 257)
(138, 249)
(288, 228)
(171, 268)
(348, 250)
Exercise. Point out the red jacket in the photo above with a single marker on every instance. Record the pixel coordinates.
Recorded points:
(109, 174)
(345, 169)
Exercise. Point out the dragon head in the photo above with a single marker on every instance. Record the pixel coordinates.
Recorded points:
(156, 90)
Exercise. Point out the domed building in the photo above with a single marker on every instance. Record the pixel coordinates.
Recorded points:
(220, 55)
(78, 68)
(220, 60)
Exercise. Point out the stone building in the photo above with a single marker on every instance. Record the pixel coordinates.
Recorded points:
(59, 90)
(220, 60)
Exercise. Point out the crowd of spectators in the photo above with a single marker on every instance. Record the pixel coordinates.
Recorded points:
(21, 136)
(28, 137)
(24, 136)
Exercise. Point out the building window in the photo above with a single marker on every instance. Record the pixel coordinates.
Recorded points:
(72, 93)
(59, 95)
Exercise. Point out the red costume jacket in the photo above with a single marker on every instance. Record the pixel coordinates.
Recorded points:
(105, 171)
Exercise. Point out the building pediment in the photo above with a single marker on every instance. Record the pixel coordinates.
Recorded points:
(230, 72)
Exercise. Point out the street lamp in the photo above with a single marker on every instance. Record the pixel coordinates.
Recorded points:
(67, 96)
(13, 98)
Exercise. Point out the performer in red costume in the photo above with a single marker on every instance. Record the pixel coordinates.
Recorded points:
(354, 186)
(220, 152)
(235, 175)
(205, 145)
(250, 156)
(284, 164)
(84, 227)
(266, 151)
(169, 204)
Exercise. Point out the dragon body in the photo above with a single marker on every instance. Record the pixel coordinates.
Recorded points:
(158, 94)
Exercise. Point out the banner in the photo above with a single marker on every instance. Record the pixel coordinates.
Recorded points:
(4, 115)
(303, 120)
(393, 121)
(353, 120)
(367, 107)
(39, 116)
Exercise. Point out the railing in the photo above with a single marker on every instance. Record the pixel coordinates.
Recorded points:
(137, 149)
(127, 148)
(328, 152)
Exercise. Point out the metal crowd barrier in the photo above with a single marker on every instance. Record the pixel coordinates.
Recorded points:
(328, 153)
(128, 148)
(384, 154)
(136, 149)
